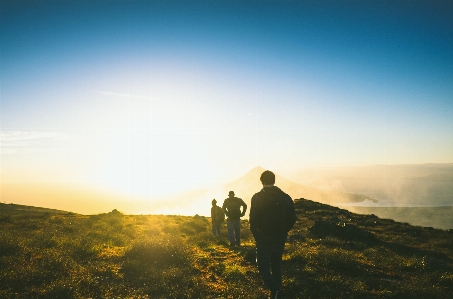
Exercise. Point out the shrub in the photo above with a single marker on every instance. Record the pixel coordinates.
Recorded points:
(85, 248)
(250, 255)
(162, 267)
(233, 273)
(163, 252)
(9, 246)
(217, 268)
(194, 226)
(59, 289)
(204, 239)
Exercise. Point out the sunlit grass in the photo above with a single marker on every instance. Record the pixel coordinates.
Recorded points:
(122, 256)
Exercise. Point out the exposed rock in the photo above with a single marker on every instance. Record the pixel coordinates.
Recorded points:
(341, 230)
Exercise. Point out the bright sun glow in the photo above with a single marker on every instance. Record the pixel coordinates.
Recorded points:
(147, 162)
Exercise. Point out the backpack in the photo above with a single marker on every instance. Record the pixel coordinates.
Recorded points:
(233, 206)
(276, 214)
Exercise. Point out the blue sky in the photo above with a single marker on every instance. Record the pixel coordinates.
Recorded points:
(138, 93)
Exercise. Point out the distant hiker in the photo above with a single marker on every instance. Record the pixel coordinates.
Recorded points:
(217, 217)
(272, 215)
(232, 208)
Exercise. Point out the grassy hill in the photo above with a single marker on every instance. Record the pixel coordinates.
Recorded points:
(15, 209)
(331, 253)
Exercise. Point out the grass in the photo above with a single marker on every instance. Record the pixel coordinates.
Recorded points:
(63, 255)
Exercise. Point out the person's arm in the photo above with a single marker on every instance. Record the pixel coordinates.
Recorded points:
(253, 218)
(244, 208)
(224, 207)
(291, 216)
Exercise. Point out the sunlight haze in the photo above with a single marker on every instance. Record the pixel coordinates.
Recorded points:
(131, 104)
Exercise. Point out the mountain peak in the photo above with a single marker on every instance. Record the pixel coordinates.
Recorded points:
(257, 169)
(253, 175)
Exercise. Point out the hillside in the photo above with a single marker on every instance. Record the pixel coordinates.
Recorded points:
(331, 253)
(22, 209)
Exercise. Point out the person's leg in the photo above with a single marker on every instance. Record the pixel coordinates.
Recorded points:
(264, 259)
(218, 229)
(276, 264)
(237, 229)
(230, 227)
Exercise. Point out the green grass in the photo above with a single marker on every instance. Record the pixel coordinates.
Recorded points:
(52, 254)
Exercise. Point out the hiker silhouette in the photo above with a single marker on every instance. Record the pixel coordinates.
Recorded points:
(232, 209)
(272, 215)
(217, 217)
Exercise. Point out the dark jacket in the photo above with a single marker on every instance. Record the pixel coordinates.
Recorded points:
(272, 215)
(232, 208)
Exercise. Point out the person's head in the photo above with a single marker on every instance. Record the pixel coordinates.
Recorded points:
(267, 178)
(214, 202)
(231, 194)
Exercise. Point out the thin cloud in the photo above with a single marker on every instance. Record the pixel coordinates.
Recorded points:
(121, 95)
(11, 141)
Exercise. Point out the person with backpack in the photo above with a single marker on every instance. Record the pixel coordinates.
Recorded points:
(272, 215)
(232, 209)
(217, 217)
